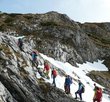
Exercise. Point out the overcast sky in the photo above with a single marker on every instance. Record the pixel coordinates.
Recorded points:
(78, 10)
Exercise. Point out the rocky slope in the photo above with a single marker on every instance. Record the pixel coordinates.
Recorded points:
(60, 37)
(55, 35)
(18, 82)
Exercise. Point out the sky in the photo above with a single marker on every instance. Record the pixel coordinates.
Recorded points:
(77, 10)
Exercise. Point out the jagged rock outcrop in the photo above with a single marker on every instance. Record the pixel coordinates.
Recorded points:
(27, 90)
(18, 82)
(55, 35)
(60, 37)
(5, 95)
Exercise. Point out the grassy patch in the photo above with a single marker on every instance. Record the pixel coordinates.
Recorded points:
(105, 42)
(8, 20)
(28, 17)
(48, 23)
(2, 28)
(5, 49)
(56, 24)
(17, 54)
(102, 77)
(14, 14)
(24, 64)
(44, 86)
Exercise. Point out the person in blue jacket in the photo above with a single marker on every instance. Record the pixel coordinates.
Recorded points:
(68, 82)
(34, 58)
(79, 91)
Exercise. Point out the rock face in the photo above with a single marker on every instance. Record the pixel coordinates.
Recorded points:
(58, 36)
(55, 35)
(18, 82)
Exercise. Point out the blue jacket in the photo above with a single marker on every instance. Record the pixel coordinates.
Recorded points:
(34, 56)
(68, 81)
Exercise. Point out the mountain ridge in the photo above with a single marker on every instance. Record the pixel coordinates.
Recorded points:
(60, 37)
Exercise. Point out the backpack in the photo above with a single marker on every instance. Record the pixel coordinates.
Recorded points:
(20, 43)
(68, 81)
(46, 67)
(83, 89)
(54, 72)
(34, 54)
(99, 94)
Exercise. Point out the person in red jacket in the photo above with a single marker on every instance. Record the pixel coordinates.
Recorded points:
(46, 69)
(98, 95)
(54, 74)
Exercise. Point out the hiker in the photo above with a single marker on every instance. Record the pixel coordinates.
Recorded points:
(95, 88)
(97, 95)
(34, 55)
(40, 71)
(46, 69)
(68, 82)
(20, 44)
(34, 58)
(54, 74)
(80, 90)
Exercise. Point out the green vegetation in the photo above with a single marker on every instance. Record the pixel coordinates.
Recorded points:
(2, 27)
(99, 39)
(49, 23)
(14, 14)
(105, 40)
(8, 20)
(45, 87)
(28, 17)
(5, 49)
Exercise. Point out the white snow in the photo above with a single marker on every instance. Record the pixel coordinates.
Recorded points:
(79, 73)
(19, 37)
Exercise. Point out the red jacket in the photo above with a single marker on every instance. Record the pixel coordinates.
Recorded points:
(54, 72)
(99, 94)
(46, 67)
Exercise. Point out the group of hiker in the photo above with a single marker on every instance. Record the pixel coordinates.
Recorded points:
(67, 84)
(46, 70)
(81, 89)
(68, 79)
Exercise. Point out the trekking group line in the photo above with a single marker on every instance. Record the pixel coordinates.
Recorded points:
(68, 79)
